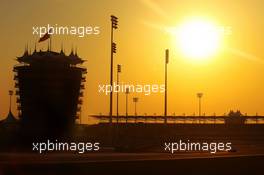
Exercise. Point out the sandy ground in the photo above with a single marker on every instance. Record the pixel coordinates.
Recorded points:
(131, 163)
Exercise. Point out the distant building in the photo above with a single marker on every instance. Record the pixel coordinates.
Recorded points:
(235, 118)
(49, 90)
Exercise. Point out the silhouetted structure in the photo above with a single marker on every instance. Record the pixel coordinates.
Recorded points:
(200, 95)
(173, 119)
(49, 89)
(165, 97)
(9, 129)
(10, 120)
(235, 118)
(113, 50)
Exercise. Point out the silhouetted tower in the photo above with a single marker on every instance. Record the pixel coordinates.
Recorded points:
(10, 93)
(10, 120)
(49, 88)
(117, 77)
(135, 100)
(127, 92)
(165, 100)
(200, 95)
(113, 50)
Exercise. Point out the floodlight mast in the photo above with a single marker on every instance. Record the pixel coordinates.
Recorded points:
(113, 50)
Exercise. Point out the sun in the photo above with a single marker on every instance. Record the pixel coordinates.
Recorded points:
(197, 39)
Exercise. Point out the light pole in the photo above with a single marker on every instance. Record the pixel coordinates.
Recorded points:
(135, 100)
(113, 50)
(200, 95)
(10, 92)
(117, 77)
(165, 100)
(127, 92)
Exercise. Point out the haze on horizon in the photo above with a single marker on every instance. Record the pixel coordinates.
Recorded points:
(231, 79)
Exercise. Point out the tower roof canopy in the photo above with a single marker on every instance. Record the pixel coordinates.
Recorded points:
(50, 56)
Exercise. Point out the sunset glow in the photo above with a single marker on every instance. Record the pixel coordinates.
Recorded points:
(197, 39)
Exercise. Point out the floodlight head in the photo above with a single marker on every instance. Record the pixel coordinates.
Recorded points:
(199, 95)
(10, 92)
(119, 68)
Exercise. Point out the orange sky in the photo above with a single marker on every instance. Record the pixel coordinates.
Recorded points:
(230, 80)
